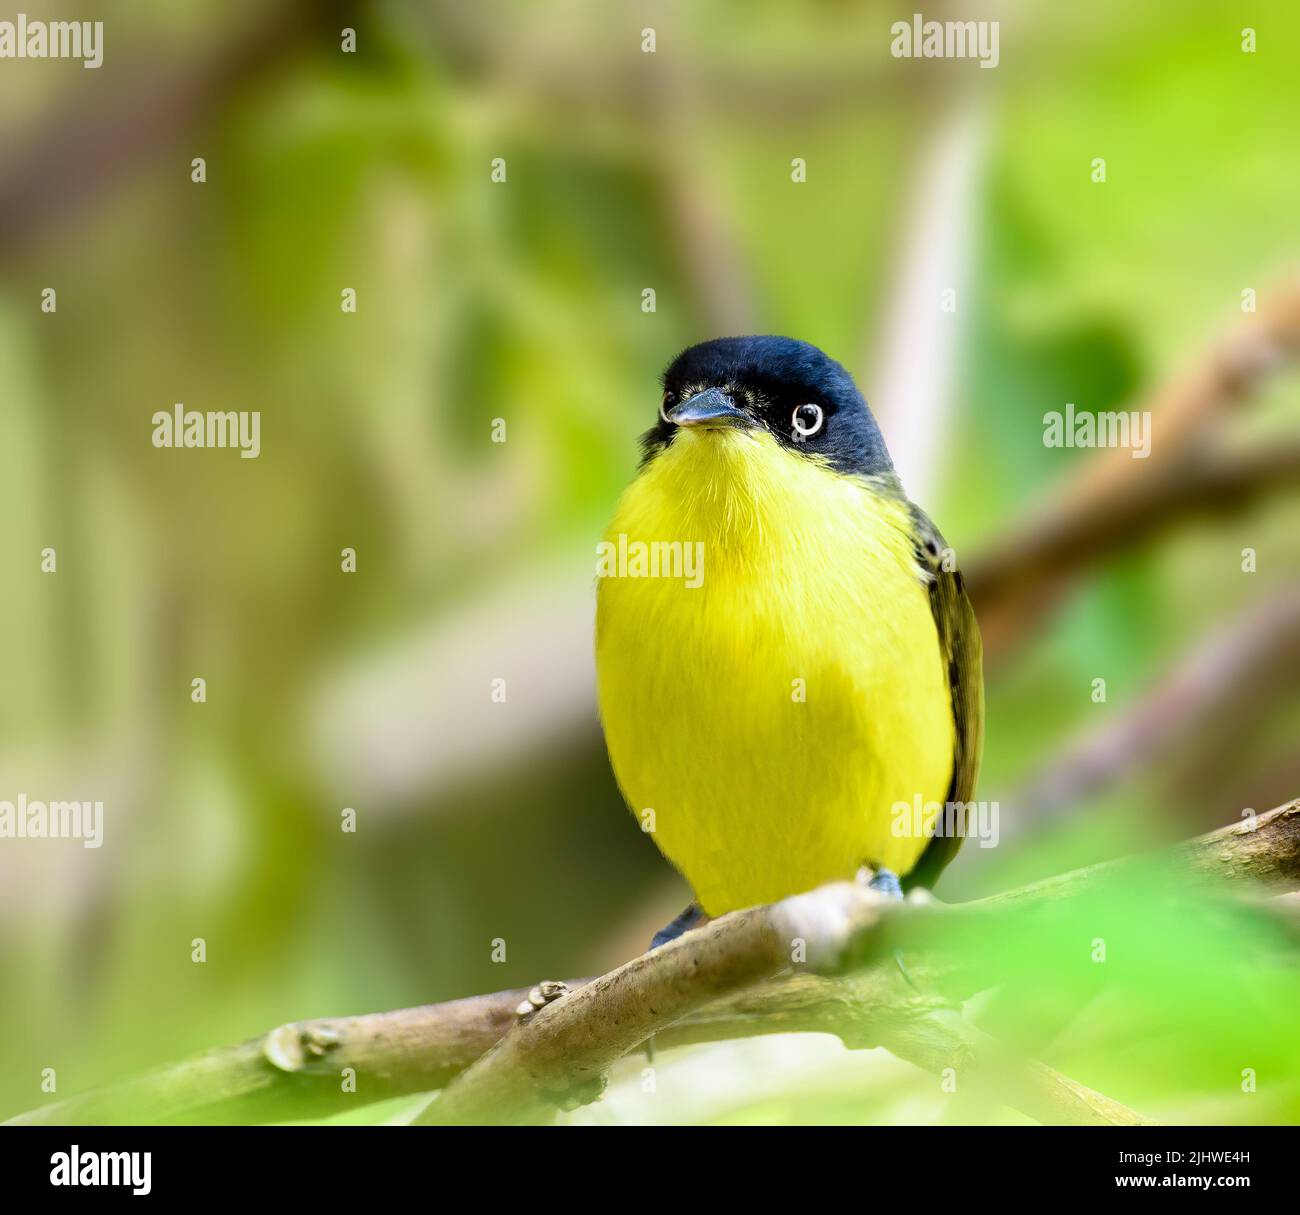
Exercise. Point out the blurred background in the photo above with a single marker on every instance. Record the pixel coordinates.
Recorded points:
(1173, 286)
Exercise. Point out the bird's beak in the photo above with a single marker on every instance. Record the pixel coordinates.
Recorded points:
(709, 410)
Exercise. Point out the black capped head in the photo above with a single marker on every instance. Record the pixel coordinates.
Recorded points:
(802, 397)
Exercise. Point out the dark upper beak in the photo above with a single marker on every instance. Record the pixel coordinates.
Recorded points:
(708, 410)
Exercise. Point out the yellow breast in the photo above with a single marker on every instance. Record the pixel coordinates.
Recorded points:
(773, 716)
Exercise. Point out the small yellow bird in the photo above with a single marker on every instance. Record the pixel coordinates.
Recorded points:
(788, 662)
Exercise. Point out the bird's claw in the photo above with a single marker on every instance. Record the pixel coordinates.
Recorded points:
(885, 881)
(692, 917)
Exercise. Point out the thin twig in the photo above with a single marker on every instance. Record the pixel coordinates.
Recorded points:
(1230, 677)
(75, 157)
(1014, 581)
(1114, 501)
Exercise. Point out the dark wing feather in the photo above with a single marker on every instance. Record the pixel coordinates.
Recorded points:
(959, 644)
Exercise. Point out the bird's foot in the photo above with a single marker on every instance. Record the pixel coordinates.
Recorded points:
(540, 996)
(884, 880)
(692, 917)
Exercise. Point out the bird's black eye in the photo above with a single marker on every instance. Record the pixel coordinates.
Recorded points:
(665, 404)
(808, 420)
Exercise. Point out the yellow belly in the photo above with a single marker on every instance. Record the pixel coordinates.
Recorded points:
(773, 717)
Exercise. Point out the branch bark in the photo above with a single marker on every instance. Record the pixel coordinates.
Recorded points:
(686, 993)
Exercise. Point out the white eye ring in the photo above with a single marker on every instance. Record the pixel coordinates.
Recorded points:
(663, 400)
(807, 431)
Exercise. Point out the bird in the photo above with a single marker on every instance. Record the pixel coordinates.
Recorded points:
(774, 720)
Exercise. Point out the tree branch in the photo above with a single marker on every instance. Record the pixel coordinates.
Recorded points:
(1013, 582)
(706, 987)
(1114, 502)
